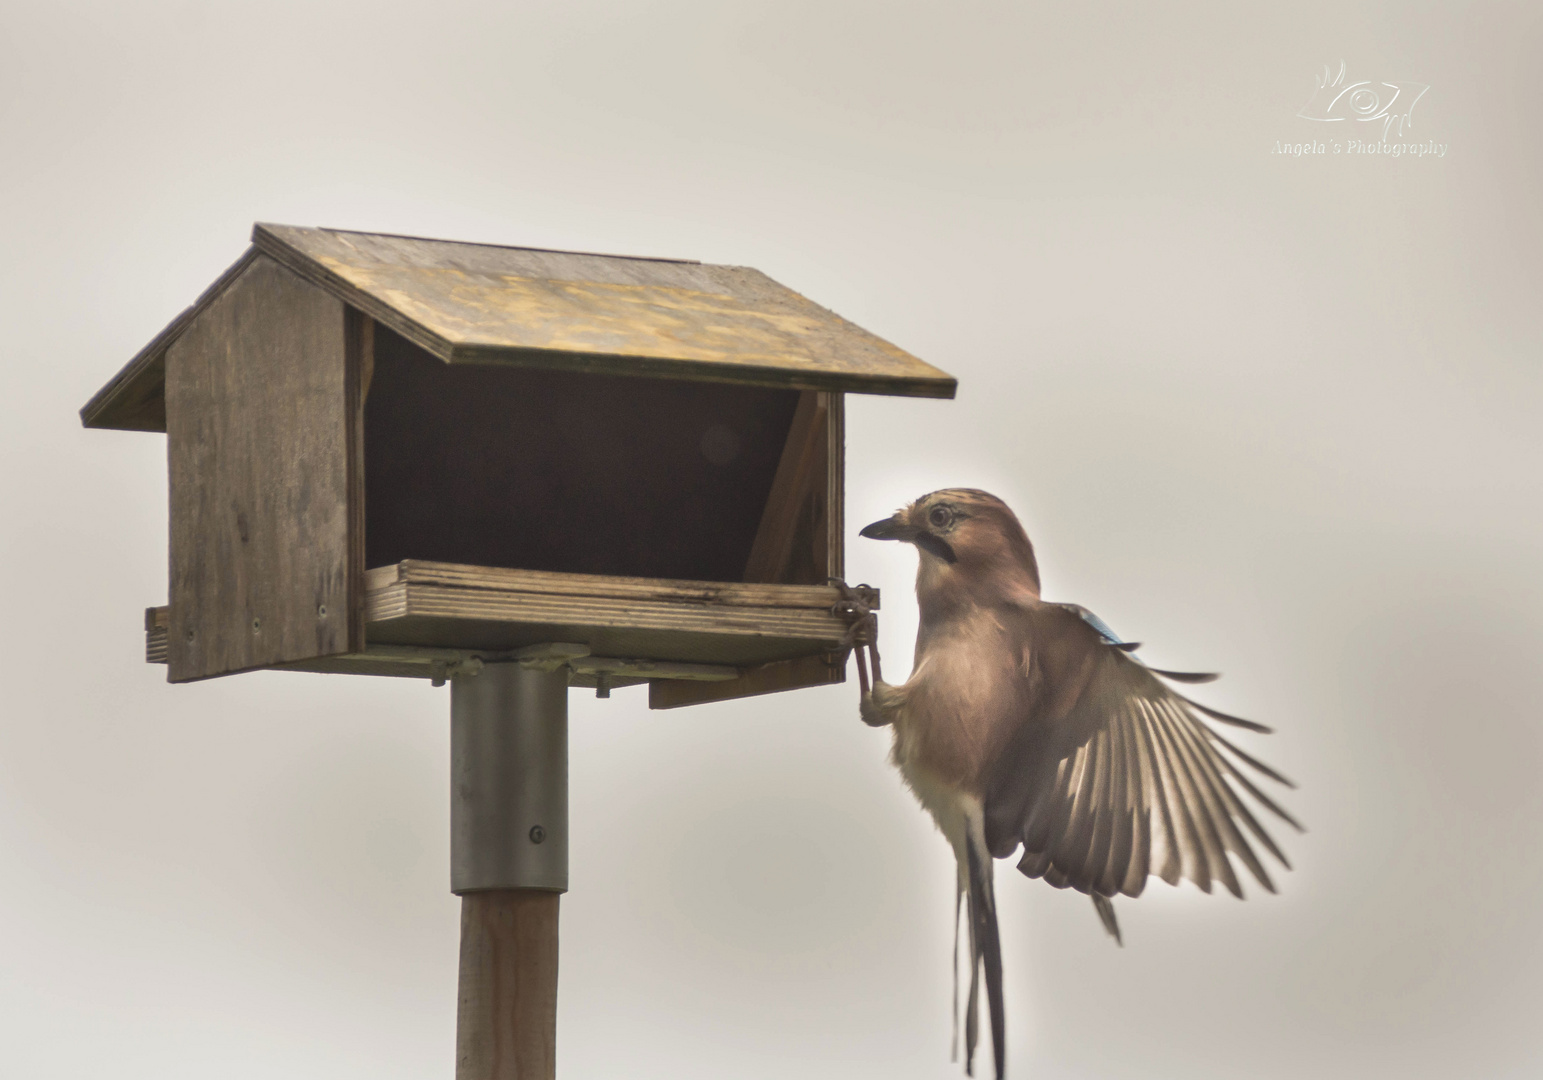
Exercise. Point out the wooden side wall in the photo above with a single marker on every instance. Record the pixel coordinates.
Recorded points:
(262, 410)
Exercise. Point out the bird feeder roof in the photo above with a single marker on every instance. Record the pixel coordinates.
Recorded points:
(483, 303)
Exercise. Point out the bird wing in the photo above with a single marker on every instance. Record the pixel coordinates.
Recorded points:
(1111, 775)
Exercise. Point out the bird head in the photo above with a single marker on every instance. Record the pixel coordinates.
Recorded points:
(966, 538)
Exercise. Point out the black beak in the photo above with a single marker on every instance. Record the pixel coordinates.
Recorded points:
(891, 528)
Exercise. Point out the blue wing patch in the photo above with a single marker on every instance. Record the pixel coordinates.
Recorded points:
(1098, 624)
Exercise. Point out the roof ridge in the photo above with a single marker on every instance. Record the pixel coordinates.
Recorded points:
(507, 247)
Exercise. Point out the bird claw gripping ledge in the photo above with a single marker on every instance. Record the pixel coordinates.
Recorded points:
(862, 636)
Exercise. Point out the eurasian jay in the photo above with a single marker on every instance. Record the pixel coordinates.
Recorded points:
(1029, 724)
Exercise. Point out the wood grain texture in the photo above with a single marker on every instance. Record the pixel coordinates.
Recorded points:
(592, 602)
(435, 606)
(717, 593)
(506, 1014)
(481, 303)
(820, 670)
(433, 601)
(359, 369)
(835, 486)
(259, 431)
(155, 635)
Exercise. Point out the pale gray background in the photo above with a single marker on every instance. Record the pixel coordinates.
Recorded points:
(1273, 415)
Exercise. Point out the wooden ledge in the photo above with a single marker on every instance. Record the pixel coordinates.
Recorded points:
(728, 593)
(419, 614)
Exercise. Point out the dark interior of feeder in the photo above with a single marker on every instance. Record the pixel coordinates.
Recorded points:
(495, 465)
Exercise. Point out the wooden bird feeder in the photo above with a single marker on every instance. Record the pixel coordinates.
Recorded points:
(515, 470)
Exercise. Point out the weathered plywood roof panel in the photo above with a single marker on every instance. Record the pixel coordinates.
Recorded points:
(481, 303)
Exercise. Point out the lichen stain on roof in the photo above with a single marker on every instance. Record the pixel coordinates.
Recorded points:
(588, 316)
(607, 314)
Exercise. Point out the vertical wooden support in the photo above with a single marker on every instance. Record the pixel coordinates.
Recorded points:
(506, 1019)
(509, 863)
(835, 485)
(359, 347)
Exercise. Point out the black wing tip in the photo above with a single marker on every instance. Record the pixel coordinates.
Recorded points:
(1227, 718)
(1187, 676)
(1262, 876)
(1249, 760)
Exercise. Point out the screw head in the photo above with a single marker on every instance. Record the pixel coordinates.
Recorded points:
(537, 834)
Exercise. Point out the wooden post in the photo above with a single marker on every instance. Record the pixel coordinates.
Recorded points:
(506, 1019)
(509, 864)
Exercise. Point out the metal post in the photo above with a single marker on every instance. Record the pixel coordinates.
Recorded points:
(509, 864)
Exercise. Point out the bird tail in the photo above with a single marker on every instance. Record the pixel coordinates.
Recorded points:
(1105, 908)
(985, 953)
(953, 1043)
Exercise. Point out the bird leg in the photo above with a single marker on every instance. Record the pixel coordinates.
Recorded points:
(862, 637)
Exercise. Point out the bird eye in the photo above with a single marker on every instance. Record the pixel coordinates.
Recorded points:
(939, 517)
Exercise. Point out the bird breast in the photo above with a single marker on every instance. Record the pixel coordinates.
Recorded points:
(967, 686)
